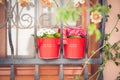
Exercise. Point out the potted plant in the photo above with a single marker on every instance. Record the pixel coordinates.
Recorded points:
(48, 43)
(70, 14)
(75, 42)
(73, 35)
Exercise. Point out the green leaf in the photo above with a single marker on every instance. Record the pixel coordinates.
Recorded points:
(104, 9)
(107, 36)
(101, 68)
(114, 45)
(57, 35)
(98, 34)
(92, 28)
(117, 55)
(105, 59)
(118, 16)
(74, 16)
(93, 52)
(77, 78)
(86, 62)
(109, 57)
(48, 36)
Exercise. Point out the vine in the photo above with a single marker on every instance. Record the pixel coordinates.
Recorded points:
(107, 49)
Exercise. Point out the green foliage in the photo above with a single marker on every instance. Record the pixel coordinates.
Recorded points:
(106, 37)
(98, 34)
(77, 78)
(73, 36)
(101, 68)
(46, 35)
(118, 16)
(107, 48)
(99, 8)
(68, 12)
(93, 29)
(57, 35)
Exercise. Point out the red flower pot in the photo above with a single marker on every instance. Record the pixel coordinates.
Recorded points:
(48, 48)
(74, 48)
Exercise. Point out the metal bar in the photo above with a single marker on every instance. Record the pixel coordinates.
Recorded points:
(48, 61)
(100, 76)
(9, 28)
(36, 76)
(36, 14)
(17, 29)
(86, 73)
(102, 29)
(61, 77)
(12, 76)
(87, 42)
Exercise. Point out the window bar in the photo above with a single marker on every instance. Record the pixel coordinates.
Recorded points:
(86, 73)
(12, 76)
(10, 39)
(36, 12)
(36, 77)
(17, 29)
(61, 76)
(102, 28)
(87, 42)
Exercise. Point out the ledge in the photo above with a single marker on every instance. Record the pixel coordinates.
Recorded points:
(8, 61)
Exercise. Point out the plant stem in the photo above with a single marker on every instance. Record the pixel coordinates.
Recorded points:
(94, 74)
(56, 3)
(114, 27)
(92, 56)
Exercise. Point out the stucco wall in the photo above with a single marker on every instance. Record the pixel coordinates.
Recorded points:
(111, 70)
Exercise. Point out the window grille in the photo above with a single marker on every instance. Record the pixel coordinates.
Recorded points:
(19, 20)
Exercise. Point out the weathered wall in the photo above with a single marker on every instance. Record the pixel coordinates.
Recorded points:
(111, 70)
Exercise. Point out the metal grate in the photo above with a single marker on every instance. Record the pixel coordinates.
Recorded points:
(37, 61)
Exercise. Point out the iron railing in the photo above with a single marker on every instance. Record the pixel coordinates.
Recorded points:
(37, 61)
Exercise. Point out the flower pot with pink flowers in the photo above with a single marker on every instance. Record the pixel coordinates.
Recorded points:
(75, 43)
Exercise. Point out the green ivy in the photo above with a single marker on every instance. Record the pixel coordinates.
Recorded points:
(68, 12)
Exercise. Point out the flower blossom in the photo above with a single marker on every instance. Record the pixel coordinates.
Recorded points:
(76, 32)
(96, 17)
(48, 3)
(77, 3)
(23, 3)
(43, 31)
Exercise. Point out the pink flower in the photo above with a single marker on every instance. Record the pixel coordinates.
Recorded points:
(73, 31)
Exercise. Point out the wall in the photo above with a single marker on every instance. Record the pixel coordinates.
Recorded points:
(111, 70)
